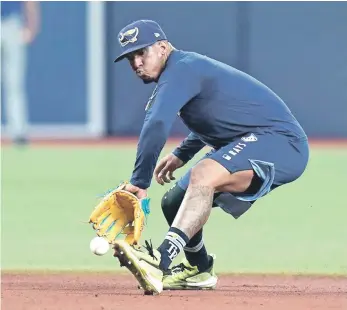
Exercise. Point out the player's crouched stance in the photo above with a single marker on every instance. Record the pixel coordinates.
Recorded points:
(257, 146)
(215, 181)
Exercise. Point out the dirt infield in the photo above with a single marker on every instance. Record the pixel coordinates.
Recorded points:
(104, 292)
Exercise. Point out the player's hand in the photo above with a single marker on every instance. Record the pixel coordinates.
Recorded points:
(138, 192)
(163, 172)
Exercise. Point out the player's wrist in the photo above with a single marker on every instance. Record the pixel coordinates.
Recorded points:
(141, 184)
(180, 155)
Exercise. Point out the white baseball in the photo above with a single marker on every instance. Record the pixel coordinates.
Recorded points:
(99, 246)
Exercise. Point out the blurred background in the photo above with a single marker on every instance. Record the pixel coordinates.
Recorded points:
(75, 90)
(70, 91)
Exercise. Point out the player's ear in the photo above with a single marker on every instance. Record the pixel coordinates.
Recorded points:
(163, 47)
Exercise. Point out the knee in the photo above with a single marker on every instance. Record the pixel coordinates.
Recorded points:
(207, 173)
(238, 182)
(212, 174)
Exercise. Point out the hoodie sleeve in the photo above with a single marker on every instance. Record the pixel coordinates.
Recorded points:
(179, 87)
(189, 147)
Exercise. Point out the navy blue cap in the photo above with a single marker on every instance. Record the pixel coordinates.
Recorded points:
(137, 35)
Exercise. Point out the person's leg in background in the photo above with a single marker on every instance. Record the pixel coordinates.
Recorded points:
(14, 72)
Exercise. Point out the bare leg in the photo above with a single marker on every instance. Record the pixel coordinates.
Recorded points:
(195, 250)
(206, 178)
(196, 206)
(195, 209)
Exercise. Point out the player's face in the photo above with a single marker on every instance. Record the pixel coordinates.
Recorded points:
(148, 62)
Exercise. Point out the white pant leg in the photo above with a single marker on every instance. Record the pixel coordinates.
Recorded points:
(13, 76)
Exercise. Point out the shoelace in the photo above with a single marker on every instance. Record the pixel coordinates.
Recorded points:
(149, 247)
(180, 268)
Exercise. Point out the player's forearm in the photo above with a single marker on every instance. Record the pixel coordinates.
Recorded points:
(151, 142)
(189, 147)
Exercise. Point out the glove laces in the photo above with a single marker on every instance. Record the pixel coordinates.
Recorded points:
(149, 247)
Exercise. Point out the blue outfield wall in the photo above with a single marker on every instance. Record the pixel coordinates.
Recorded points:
(297, 48)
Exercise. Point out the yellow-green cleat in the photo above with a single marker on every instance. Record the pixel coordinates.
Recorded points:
(148, 254)
(187, 277)
(135, 260)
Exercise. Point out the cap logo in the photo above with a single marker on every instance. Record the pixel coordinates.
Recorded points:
(129, 36)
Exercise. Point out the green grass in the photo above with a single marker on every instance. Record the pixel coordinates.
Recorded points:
(47, 193)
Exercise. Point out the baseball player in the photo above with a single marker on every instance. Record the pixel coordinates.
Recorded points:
(256, 145)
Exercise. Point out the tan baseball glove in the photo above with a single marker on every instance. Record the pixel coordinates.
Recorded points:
(120, 213)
